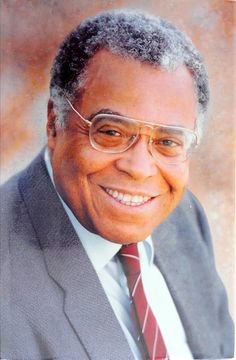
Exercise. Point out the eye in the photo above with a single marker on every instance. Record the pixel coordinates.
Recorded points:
(168, 142)
(110, 132)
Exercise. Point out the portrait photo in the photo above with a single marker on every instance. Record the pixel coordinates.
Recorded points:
(117, 179)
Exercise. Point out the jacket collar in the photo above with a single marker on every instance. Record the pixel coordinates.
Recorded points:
(85, 300)
(67, 263)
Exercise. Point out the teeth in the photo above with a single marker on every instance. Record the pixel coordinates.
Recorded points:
(128, 199)
(120, 196)
(114, 193)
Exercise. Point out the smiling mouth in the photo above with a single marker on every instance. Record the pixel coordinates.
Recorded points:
(128, 199)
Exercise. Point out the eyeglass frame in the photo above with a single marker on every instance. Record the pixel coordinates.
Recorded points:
(144, 123)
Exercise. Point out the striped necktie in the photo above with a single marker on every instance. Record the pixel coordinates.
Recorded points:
(149, 337)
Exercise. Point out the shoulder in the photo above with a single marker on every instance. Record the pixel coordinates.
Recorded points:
(188, 221)
(186, 235)
(13, 191)
(190, 209)
(11, 201)
(184, 254)
(10, 189)
(190, 212)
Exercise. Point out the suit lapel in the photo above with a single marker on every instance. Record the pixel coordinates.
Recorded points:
(182, 263)
(86, 305)
(176, 258)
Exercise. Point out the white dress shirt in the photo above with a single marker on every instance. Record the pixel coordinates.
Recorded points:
(102, 254)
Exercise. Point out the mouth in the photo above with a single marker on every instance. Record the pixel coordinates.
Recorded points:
(128, 199)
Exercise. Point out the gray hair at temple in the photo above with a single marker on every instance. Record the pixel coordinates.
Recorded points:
(130, 34)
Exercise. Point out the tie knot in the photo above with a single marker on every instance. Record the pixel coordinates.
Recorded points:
(131, 249)
(129, 258)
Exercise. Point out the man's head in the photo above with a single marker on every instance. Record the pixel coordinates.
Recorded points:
(138, 67)
(130, 34)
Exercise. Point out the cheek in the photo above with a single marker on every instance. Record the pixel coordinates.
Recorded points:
(71, 154)
(89, 161)
(176, 175)
(78, 160)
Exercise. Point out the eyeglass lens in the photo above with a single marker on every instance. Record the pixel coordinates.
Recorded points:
(116, 135)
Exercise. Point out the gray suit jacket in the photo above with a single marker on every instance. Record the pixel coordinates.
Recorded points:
(53, 305)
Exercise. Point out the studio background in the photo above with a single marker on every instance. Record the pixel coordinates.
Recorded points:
(31, 31)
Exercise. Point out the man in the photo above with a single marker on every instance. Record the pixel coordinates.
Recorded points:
(104, 253)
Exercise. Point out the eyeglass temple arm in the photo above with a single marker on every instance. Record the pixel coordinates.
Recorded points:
(87, 121)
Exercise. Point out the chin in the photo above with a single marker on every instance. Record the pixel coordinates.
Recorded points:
(120, 236)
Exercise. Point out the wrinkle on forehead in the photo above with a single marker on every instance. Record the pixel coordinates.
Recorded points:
(125, 85)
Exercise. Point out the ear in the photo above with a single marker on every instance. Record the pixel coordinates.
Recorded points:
(51, 125)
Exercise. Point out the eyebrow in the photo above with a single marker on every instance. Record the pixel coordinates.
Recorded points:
(175, 129)
(104, 111)
(172, 131)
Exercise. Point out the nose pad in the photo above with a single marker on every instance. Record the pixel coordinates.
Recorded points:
(150, 142)
(151, 149)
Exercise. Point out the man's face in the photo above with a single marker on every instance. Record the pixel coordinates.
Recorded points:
(89, 180)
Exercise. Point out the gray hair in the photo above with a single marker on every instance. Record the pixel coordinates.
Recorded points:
(130, 34)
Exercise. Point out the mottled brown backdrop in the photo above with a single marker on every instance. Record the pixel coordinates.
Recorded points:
(31, 31)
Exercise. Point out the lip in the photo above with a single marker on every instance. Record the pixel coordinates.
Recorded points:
(147, 206)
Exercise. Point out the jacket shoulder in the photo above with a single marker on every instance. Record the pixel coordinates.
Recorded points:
(189, 221)
(13, 208)
(194, 213)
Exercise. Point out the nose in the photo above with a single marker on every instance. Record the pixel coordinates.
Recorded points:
(137, 161)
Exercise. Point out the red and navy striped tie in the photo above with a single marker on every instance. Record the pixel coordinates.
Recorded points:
(149, 335)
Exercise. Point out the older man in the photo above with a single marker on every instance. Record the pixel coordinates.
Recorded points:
(105, 255)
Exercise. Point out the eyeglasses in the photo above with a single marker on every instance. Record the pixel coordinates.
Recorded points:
(113, 134)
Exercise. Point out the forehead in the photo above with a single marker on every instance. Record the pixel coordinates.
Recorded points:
(138, 90)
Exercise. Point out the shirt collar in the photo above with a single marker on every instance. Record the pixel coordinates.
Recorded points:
(99, 250)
